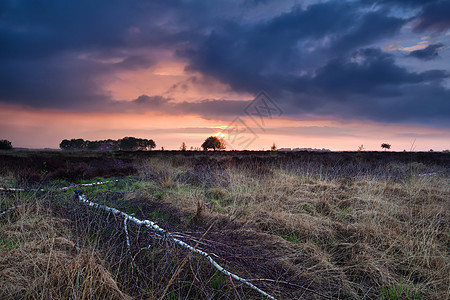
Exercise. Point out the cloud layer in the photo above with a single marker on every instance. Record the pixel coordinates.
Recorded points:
(326, 58)
(428, 53)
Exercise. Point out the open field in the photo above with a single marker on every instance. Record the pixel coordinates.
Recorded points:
(363, 225)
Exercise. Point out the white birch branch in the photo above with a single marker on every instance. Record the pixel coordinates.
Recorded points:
(19, 190)
(126, 233)
(152, 225)
(5, 189)
(88, 184)
(428, 174)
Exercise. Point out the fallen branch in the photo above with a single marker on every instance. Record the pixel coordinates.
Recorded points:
(88, 184)
(5, 189)
(152, 225)
(19, 190)
(428, 174)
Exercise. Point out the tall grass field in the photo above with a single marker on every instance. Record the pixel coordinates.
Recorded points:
(297, 225)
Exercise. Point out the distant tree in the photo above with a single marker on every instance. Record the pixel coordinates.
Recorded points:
(109, 144)
(385, 146)
(5, 145)
(183, 146)
(79, 144)
(114, 144)
(65, 144)
(132, 143)
(128, 143)
(73, 144)
(213, 142)
(274, 147)
(361, 148)
(145, 144)
(151, 144)
(93, 145)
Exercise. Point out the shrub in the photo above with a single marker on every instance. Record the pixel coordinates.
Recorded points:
(5, 145)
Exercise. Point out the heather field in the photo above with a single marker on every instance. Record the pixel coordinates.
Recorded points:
(296, 225)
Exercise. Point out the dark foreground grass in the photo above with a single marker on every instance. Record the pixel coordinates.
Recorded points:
(300, 225)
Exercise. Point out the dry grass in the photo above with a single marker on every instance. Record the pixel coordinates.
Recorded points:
(365, 236)
(344, 228)
(39, 261)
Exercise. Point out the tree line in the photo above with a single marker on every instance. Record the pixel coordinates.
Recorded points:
(127, 143)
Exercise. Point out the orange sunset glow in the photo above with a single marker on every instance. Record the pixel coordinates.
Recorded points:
(243, 149)
(177, 79)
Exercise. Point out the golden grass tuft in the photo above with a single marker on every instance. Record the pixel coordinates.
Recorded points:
(38, 261)
(360, 235)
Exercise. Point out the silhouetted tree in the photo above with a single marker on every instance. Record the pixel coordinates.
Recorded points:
(132, 143)
(213, 142)
(183, 146)
(64, 145)
(274, 147)
(93, 145)
(5, 145)
(150, 144)
(73, 144)
(385, 146)
(79, 144)
(127, 143)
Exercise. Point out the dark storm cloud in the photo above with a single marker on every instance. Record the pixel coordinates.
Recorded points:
(262, 56)
(366, 84)
(56, 54)
(424, 103)
(435, 16)
(366, 71)
(366, 31)
(208, 108)
(428, 53)
(369, 85)
(402, 3)
(49, 83)
(321, 58)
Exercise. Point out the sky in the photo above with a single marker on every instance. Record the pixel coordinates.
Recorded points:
(331, 74)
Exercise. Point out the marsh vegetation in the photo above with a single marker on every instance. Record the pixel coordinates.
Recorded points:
(364, 225)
